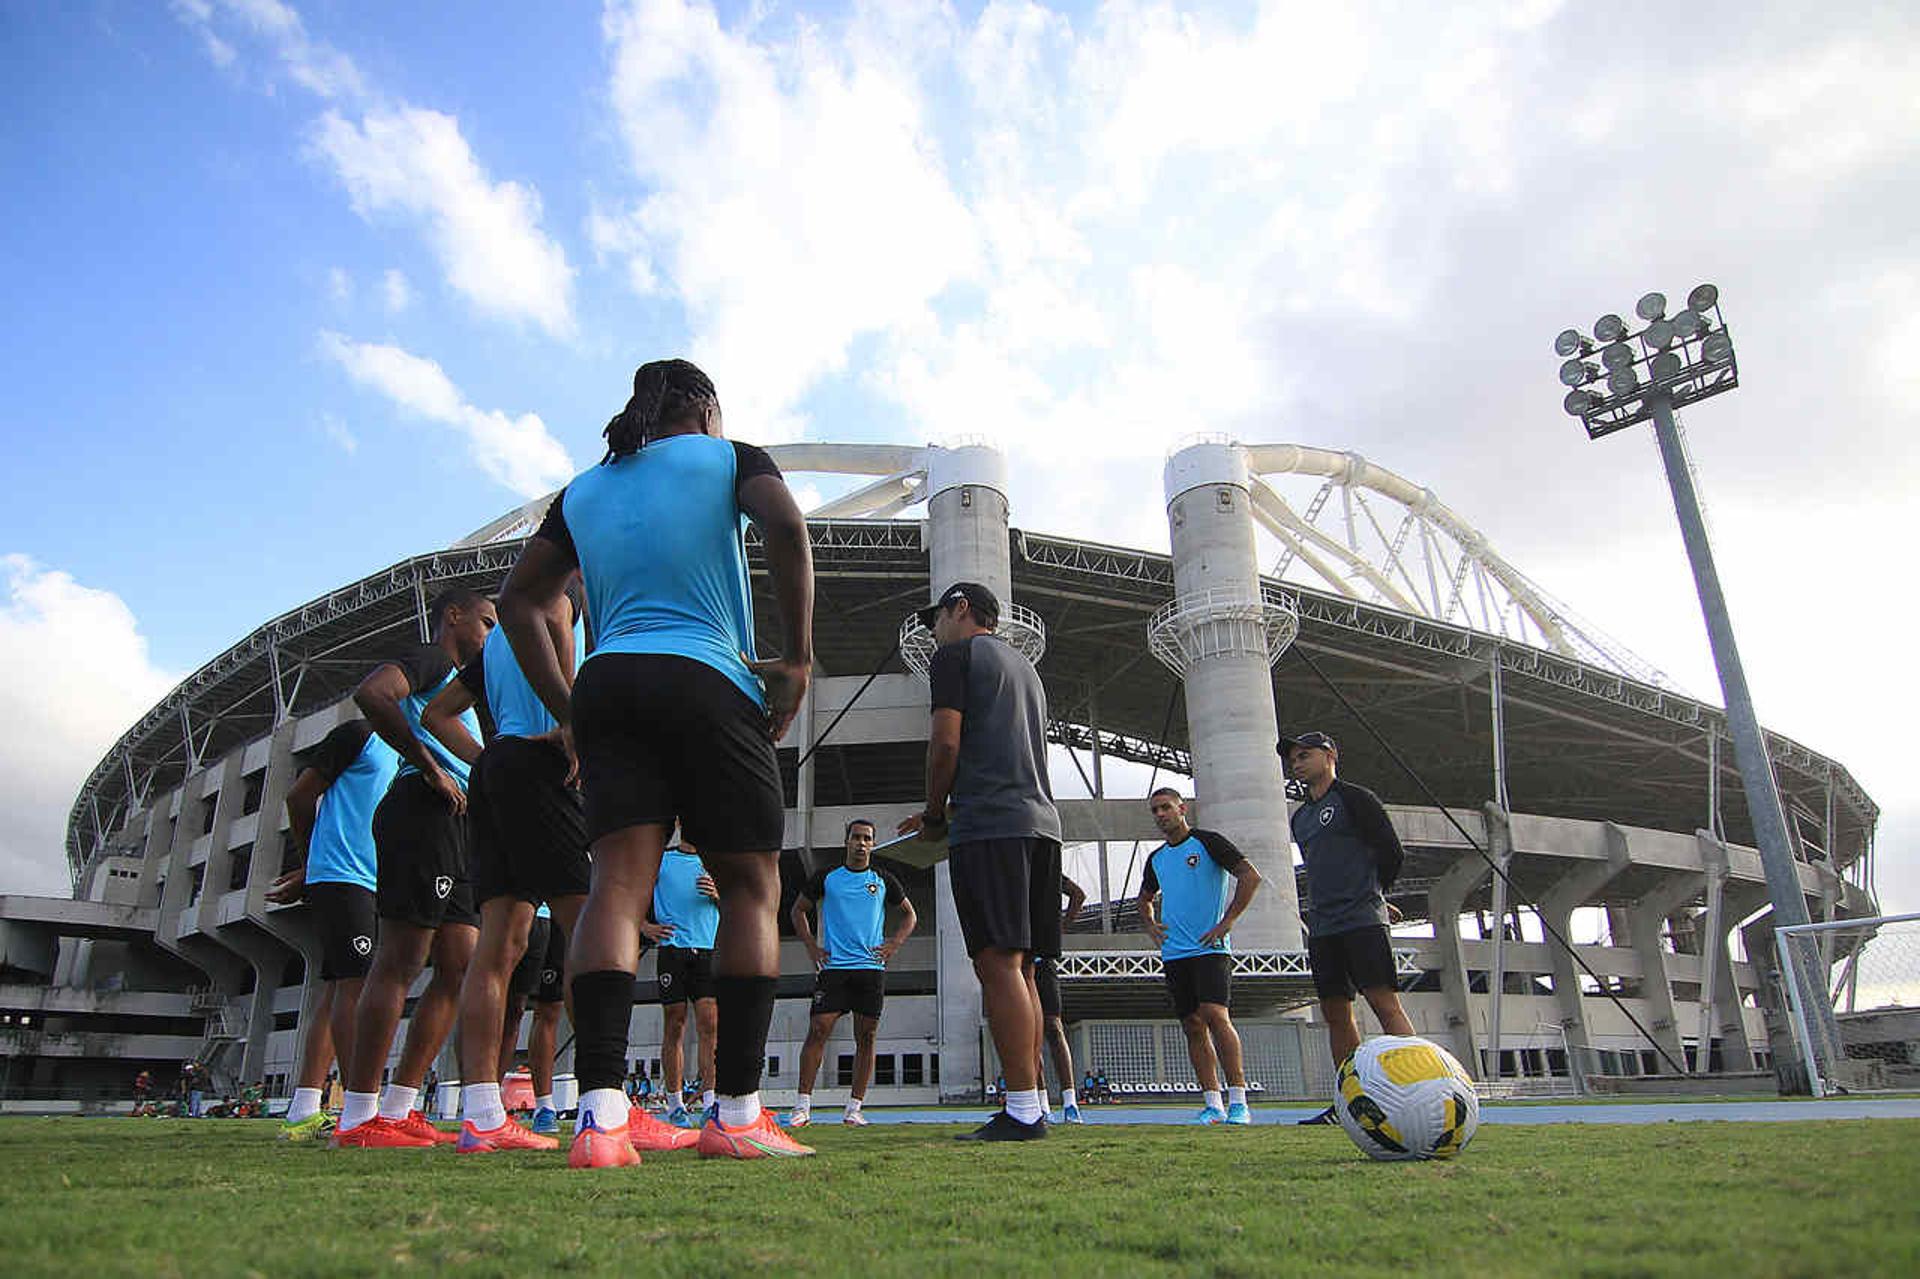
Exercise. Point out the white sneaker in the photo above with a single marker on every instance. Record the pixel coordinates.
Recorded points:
(855, 1119)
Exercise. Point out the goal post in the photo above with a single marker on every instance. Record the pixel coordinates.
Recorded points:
(1853, 1001)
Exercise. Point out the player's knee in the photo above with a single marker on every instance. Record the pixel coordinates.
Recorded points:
(1194, 1024)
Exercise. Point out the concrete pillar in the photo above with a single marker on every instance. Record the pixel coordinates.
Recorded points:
(1500, 849)
(294, 927)
(966, 534)
(1446, 898)
(1644, 921)
(1575, 888)
(1230, 718)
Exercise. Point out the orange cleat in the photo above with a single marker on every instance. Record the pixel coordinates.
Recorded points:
(508, 1136)
(648, 1132)
(379, 1134)
(761, 1139)
(597, 1147)
(419, 1125)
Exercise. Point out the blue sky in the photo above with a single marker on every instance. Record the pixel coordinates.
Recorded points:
(296, 290)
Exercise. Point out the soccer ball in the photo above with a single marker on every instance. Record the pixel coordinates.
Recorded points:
(1402, 1097)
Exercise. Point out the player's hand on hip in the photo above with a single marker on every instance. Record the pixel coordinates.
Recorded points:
(818, 956)
(1393, 914)
(289, 888)
(1156, 931)
(786, 683)
(561, 739)
(655, 933)
(449, 790)
(706, 887)
(886, 950)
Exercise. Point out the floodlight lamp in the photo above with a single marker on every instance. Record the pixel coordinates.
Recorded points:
(1703, 298)
(1577, 373)
(1571, 342)
(1660, 334)
(1578, 403)
(1689, 324)
(1651, 307)
(1617, 355)
(1609, 328)
(1623, 381)
(1718, 348)
(1666, 366)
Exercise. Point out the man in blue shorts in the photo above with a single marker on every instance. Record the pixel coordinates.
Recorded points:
(330, 819)
(684, 920)
(673, 719)
(1188, 878)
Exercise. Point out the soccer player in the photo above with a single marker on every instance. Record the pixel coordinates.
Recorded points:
(1187, 877)
(543, 1039)
(1352, 855)
(987, 751)
(685, 917)
(424, 898)
(851, 954)
(1054, 1031)
(330, 819)
(672, 717)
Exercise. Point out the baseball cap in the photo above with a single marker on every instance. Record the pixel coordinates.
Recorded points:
(985, 605)
(1314, 738)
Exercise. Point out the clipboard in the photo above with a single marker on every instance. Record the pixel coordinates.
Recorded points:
(917, 850)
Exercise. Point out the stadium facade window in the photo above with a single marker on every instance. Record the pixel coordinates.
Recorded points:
(773, 1067)
(912, 1068)
(256, 784)
(199, 878)
(239, 864)
(883, 1069)
(869, 773)
(209, 810)
(843, 1070)
(933, 1064)
(789, 761)
(1556, 1061)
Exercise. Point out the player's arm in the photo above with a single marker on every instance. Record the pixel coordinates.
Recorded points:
(909, 919)
(653, 930)
(1246, 882)
(535, 588)
(1149, 902)
(803, 929)
(442, 719)
(768, 502)
(1076, 899)
(1377, 832)
(378, 698)
(947, 676)
(303, 806)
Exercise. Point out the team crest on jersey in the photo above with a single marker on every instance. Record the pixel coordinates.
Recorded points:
(666, 980)
(548, 976)
(1193, 859)
(363, 945)
(1326, 816)
(442, 885)
(872, 888)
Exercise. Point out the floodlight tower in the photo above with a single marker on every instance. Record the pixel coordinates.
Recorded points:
(1680, 360)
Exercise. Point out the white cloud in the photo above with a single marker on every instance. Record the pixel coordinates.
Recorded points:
(414, 164)
(340, 434)
(78, 673)
(517, 451)
(398, 293)
(339, 284)
(313, 64)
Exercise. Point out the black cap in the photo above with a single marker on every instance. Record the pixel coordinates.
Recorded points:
(1315, 738)
(983, 602)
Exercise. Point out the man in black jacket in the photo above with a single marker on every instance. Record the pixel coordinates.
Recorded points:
(1352, 856)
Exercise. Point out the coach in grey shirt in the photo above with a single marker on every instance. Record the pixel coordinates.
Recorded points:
(988, 753)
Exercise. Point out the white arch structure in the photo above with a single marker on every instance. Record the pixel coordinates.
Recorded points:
(1385, 541)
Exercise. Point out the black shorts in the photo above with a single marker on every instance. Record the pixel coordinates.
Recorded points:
(850, 990)
(423, 857)
(528, 828)
(665, 738)
(344, 915)
(1048, 983)
(1197, 980)
(686, 975)
(1007, 894)
(1359, 959)
(541, 971)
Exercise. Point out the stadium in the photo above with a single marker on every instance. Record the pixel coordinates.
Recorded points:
(1386, 619)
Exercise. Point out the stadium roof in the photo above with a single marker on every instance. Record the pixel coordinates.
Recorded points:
(1582, 741)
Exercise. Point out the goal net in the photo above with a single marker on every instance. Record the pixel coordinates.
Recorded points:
(1853, 996)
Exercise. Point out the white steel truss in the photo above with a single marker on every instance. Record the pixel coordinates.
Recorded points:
(1144, 965)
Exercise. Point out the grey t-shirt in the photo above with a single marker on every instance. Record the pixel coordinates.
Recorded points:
(1352, 856)
(1000, 790)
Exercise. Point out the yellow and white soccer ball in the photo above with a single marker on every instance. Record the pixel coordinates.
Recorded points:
(1402, 1097)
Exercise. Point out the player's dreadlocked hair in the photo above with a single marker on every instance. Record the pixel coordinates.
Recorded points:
(663, 391)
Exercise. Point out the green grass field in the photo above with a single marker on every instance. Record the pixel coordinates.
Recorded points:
(157, 1197)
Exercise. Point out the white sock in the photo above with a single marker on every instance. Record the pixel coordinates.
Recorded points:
(804, 1106)
(1068, 1097)
(853, 1105)
(707, 1099)
(358, 1107)
(306, 1104)
(1026, 1105)
(544, 1101)
(738, 1112)
(604, 1108)
(1236, 1096)
(482, 1107)
(398, 1101)
(1213, 1101)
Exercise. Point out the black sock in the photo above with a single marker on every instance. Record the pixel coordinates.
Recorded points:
(602, 1007)
(740, 1047)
